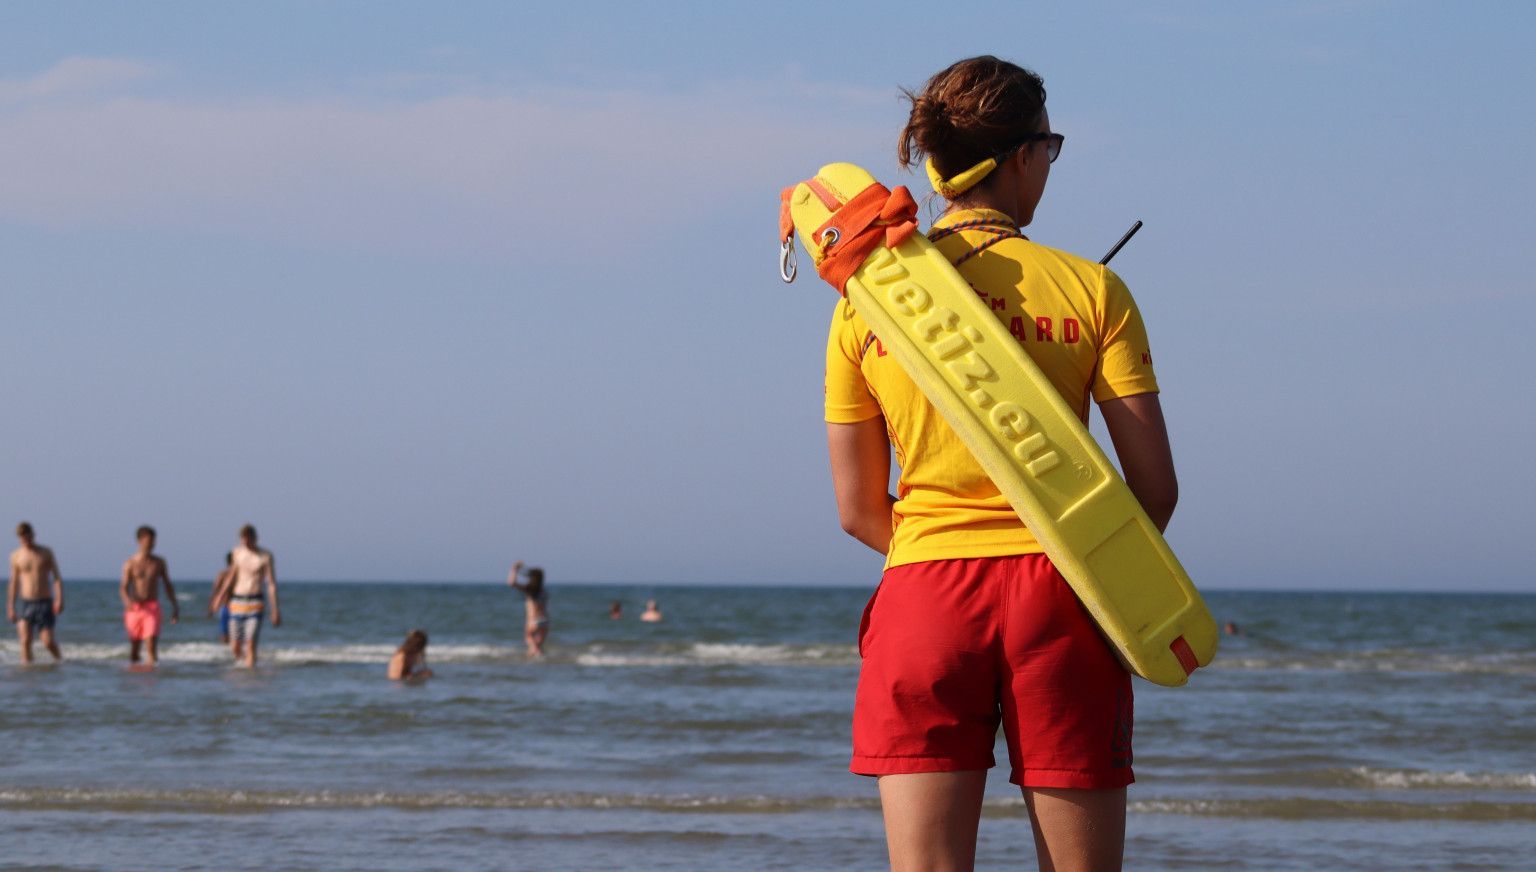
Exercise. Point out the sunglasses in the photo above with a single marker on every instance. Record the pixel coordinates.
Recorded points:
(1053, 143)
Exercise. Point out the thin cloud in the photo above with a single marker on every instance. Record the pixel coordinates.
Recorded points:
(446, 171)
(76, 75)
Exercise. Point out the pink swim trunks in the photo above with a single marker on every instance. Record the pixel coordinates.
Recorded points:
(142, 620)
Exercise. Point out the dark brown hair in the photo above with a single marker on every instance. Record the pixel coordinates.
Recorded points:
(535, 582)
(969, 111)
(415, 642)
(145, 530)
(248, 532)
(24, 529)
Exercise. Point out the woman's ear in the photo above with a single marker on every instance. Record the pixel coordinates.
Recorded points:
(1020, 158)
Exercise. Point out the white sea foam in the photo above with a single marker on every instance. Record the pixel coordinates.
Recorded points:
(1456, 779)
(1502, 663)
(1311, 808)
(276, 652)
(203, 800)
(723, 654)
(596, 655)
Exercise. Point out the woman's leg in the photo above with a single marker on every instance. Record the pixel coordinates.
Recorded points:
(931, 819)
(1077, 830)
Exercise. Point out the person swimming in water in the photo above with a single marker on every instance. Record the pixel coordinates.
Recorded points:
(652, 613)
(615, 611)
(536, 605)
(408, 662)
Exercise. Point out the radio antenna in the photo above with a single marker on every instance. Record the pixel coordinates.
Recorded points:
(1121, 244)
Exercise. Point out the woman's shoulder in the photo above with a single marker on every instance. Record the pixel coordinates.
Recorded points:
(1090, 271)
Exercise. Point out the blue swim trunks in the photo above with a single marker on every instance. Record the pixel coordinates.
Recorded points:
(245, 613)
(36, 613)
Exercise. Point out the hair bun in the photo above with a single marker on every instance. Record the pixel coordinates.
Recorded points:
(969, 111)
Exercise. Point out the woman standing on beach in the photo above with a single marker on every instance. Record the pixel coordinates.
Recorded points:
(535, 603)
(971, 624)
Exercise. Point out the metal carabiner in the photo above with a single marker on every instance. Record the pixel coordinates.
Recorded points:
(787, 261)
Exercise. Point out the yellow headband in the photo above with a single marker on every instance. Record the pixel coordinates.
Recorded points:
(962, 182)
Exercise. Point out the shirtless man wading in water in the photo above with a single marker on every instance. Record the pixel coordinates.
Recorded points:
(32, 570)
(251, 583)
(140, 590)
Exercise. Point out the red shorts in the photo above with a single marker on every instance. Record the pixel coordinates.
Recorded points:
(142, 619)
(952, 647)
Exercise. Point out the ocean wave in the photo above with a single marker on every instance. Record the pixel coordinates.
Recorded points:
(212, 801)
(1409, 779)
(1494, 663)
(1365, 777)
(595, 655)
(1304, 808)
(212, 652)
(723, 654)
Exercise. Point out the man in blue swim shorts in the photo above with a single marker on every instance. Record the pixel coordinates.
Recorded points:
(252, 582)
(36, 583)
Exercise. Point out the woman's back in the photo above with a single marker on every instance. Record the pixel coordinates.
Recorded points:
(1073, 317)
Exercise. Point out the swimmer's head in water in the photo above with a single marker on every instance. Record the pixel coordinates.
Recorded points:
(24, 532)
(978, 108)
(415, 643)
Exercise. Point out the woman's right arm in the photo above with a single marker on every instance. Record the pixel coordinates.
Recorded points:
(861, 477)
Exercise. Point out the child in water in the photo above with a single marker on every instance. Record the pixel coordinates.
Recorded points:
(410, 657)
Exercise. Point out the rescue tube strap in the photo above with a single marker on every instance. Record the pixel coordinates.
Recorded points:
(874, 216)
(1185, 655)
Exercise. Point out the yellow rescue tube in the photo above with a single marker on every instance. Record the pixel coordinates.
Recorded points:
(1029, 441)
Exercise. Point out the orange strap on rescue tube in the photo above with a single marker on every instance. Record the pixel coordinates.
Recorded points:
(874, 216)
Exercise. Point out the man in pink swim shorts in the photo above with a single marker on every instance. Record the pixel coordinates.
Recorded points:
(140, 590)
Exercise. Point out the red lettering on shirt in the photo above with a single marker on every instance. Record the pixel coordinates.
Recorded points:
(1069, 330)
(1043, 329)
(869, 339)
(1016, 327)
(998, 303)
(1146, 358)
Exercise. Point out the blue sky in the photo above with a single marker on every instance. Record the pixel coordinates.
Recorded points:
(422, 288)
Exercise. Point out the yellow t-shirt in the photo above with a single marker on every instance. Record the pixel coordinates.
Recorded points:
(1075, 319)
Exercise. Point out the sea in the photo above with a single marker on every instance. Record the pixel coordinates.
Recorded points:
(1336, 731)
